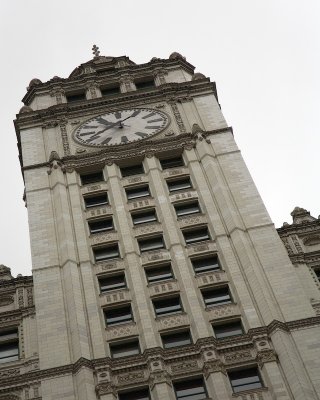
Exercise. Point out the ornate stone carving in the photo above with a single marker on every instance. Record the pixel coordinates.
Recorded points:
(116, 332)
(301, 216)
(124, 379)
(222, 311)
(6, 300)
(114, 297)
(191, 220)
(211, 278)
(147, 228)
(159, 377)
(92, 88)
(59, 95)
(238, 356)
(8, 373)
(172, 321)
(184, 367)
(99, 211)
(141, 203)
(127, 83)
(64, 136)
(311, 240)
(265, 356)
(155, 255)
(295, 240)
(105, 388)
(178, 118)
(190, 194)
(20, 297)
(213, 366)
(98, 238)
(104, 266)
(287, 246)
(165, 287)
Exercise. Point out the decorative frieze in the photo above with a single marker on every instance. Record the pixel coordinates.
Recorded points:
(212, 278)
(162, 288)
(178, 118)
(114, 297)
(171, 172)
(190, 220)
(98, 212)
(120, 331)
(143, 229)
(106, 266)
(135, 205)
(99, 238)
(131, 377)
(187, 195)
(94, 188)
(130, 180)
(172, 321)
(184, 367)
(223, 311)
(265, 356)
(155, 255)
(199, 248)
(236, 357)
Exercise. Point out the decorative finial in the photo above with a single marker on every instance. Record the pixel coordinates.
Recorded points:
(95, 51)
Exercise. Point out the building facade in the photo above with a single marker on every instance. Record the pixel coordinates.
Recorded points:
(157, 272)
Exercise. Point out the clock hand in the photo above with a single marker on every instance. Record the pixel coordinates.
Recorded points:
(132, 115)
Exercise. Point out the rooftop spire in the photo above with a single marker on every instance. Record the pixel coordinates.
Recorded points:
(95, 51)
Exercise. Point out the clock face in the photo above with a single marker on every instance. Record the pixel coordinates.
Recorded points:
(121, 127)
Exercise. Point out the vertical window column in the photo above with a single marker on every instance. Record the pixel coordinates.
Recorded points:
(135, 274)
(173, 238)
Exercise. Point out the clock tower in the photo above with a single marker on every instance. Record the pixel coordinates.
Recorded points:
(157, 271)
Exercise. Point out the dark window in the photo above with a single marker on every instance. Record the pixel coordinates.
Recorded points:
(95, 201)
(135, 193)
(110, 91)
(140, 394)
(172, 162)
(125, 349)
(205, 264)
(317, 272)
(106, 253)
(176, 339)
(160, 273)
(193, 389)
(171, 305)
(71, 98)
(101, 226)
(144, 217)
(215, 297)
(187, 208)
(86, 179)
(118, 316)
(228, 329)
(245, 379)
(151, 244)
(132, 170)
(9, 346)
(196, 235)
(113, 282)
(149, 84)
(179, 184)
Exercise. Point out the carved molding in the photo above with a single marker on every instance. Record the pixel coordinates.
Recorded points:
(172, 321)
(223, 311)
(212, 278)
(164, 287)
(120, 331)
(151, 227)
(238, 357)
(102, 237)
(212, 366)
(188, 220)
(265, 356)
(99, 211)
(114, 297)
(137, 204)
(155, 255)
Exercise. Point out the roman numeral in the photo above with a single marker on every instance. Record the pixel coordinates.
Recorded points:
(124, 139)
(135, 113)
(149, 115)
(141, 134)
(153, 127)
(92, 138)
(90, 127)
(118, 114)
(86, 133)
(155, 120)
(106, 140)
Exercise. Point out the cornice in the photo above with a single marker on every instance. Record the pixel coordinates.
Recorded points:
(302, 228)
(14, 282)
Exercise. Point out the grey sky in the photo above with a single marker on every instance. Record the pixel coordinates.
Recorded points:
(263, 55)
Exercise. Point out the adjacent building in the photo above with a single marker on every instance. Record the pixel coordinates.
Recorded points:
(157, 272)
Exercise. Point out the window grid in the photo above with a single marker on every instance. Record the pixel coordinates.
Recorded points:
(167, 306)
(214, 297)
(176, 339)
(124, 349)
(106, 253)
(228, 329)
(245, 379)
(154, 243)
(137, 192)
(96, 201)
(132, 170)
(93, 177)
(173, 162)
(113, 282)
(100, 225)
(193, 389)
(187, 208)
(144, 217)
(118, 316)
(179, 184)
(9, 346)
(196, 235)
(205, 264)
(159, 274)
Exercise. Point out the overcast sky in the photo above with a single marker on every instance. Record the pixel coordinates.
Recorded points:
(263, 55)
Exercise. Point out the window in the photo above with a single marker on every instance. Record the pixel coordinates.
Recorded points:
(140, 394)
(205, 264)
(172, 162)
(106, 253)
(214, 297)
(171, 305)
(9, 346)
(113, 282)
(148, 84)
(228, 329)
(245, 379)
(95, 201)
(193, 389)
(101, 225)
(151, 244)
(179, 184)
(71, 98)
(144, 217)
(159, 274)
(86, 179)
(110, 91)
(176, 339)
(196, 235)
(118, 316)
(132, 170)
(187, 208)
(135, 193)
(125, 349)
(317, 272)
